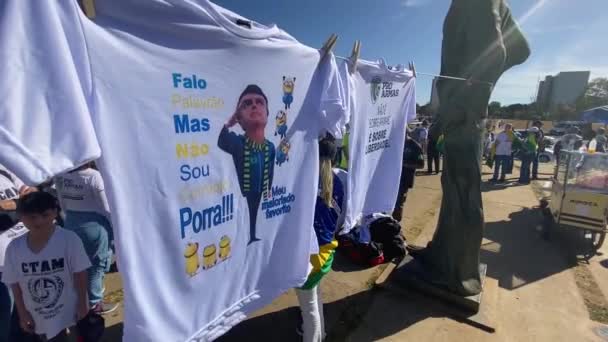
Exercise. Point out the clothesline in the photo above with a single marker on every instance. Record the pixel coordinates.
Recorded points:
(453, 78)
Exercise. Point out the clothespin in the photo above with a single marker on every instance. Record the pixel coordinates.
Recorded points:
(329, 45)
(354, 57)
(89, 8)
(412, 67)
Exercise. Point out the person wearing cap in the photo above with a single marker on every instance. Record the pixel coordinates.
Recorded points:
(252, 153)
(540, 139)
(329, 209)
(529, 150)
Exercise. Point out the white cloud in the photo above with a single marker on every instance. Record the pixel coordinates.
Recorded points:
(414, 3)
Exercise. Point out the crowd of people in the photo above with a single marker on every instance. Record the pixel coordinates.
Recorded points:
(501, 150)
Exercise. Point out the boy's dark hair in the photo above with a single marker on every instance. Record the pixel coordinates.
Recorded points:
(36, 203)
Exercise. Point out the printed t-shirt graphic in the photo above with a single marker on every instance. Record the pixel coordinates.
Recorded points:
(252, 153)
(153, 85)
(381, 101)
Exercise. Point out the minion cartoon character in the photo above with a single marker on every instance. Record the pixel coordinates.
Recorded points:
(281, 122)
(224, 248)
(192, 263)
(283, 152)
(289, 84)
(209, 257)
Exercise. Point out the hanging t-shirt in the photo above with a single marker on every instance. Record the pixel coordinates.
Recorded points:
(9, 185)
(9, 190)
(213, 212)
(6, 237)
(46, 278)
(84, 191)
(381, 103)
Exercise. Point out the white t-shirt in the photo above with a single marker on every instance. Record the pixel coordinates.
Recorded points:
(9, 185)
(151, 84)
(6, 237)
(503, 144)
(381, 103)
(82, 190)
(46, 278)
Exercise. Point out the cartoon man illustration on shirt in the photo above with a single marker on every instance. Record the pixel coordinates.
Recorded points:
(252, 153)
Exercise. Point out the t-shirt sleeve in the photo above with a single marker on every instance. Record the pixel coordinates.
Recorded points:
(46, 87)
(78, 259)
(333, 101)
(16, 180)
(9, 271)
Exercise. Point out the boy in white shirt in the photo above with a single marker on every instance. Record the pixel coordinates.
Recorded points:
(46, 269)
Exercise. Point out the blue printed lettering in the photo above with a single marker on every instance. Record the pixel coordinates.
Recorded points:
(207, 218)
(183, 124)
(188, 82)
(188, 172)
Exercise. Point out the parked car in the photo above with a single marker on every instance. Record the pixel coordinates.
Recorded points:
(560, 128)
(546, 156)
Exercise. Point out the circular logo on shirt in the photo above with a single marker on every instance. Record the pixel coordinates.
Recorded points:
(45, 291)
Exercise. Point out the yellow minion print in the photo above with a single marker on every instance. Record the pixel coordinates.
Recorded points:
(289, 84)
(224, 247)
(283, 152)
(209, 257)
(192, 263)
(281, 124)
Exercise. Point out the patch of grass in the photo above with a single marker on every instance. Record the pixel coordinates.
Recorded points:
(596, 303)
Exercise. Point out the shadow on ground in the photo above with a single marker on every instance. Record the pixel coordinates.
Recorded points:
(487, 186)
(517, 254)
(343, 317)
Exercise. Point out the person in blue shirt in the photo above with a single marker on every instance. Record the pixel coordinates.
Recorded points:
(329, 209)
(252, 153)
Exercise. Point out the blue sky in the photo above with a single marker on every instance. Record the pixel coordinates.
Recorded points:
(565, 35)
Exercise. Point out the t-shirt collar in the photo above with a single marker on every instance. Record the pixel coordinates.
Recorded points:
(228, 21)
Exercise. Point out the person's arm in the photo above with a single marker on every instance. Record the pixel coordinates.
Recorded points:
(8, 205)
(25, 318)
(100, 195)
(82, 303)
(228, 141)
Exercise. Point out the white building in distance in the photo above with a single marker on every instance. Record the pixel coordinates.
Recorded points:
(561, 89)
